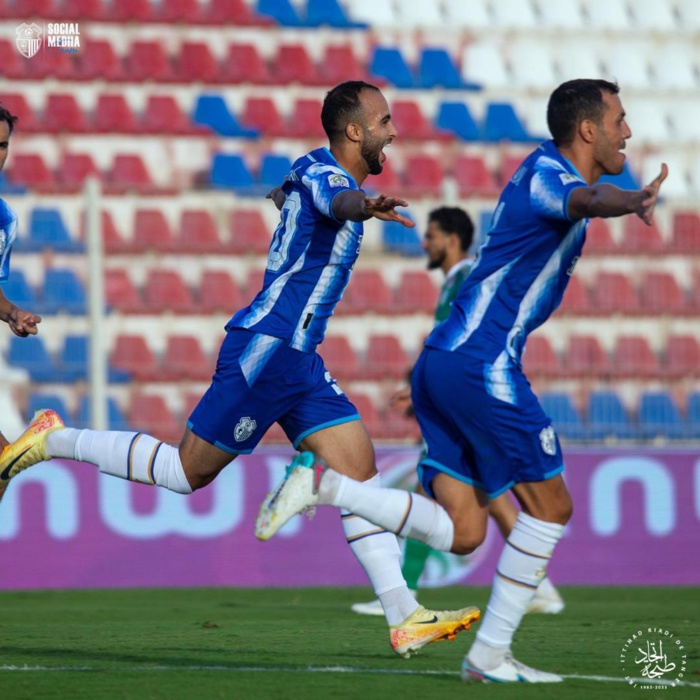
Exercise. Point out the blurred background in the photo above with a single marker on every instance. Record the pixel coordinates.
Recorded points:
(187, 112)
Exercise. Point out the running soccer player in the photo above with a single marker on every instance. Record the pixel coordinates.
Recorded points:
(484, 428)
(446, 241)
(268, 369)
(21, 323)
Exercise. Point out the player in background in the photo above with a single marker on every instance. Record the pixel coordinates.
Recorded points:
(446, 241)
(268, 369)
(21, 323)
(484, 428)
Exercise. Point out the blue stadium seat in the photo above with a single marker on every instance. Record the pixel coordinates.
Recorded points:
(74, 360)
(274, 169)
(282, 11)
(388, 63)
(607, 417)
(503, 124)
(47, 230)
(565, 418)
(330, 12)
(229, 172)
(456, 117)
(115, 418)
(400, 239)
(659, 417)
(17, 290)
(212, 111)
(437, 69)
(693, 415)
(53, 401)
(31, 354)
(63, 292)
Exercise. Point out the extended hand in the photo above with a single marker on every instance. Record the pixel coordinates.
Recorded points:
(651, 192)
(384, 208)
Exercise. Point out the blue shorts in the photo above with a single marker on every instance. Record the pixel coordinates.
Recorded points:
(491, 434)
(260, 380)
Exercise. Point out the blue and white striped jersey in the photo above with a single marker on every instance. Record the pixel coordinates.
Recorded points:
(8, 233)
(310, 258)
(523, 265)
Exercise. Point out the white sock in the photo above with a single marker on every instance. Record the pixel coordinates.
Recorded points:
(133, 456)
(520, 569)
(406, 514)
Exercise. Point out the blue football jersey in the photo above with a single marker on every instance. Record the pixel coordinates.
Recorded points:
(523, 265)
(310, 258)
(8, 233)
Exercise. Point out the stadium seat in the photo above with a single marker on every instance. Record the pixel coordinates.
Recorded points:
(63, 293)
(47, 231)
(576, 299)
(585, 357)
(75, 169)
(367, 291)
(685, 234)
(243, 64)
(563, 414)
(129, 173)
(339, 63)
(388, 63)
(282, 11)
(198, 233)
(113, 115)
(166, 291)
(328, 12)
(31, 354)
(151, 232)
(501, 123)
(19, 106)
(116, 420)
(396, 238)
(74, 358)
(39, 401)
(473, 178)
(385, 358)
(437, 69)
(184, 359)
(455, 117)
(249, 233)
(633, 357)
(340, 359)
(608, 418)
(416, 293)
(121, 293)
(660, 293)
(681, 357)
(305, 120)
(219, 293)
(132, 354)
(292, 64)
(19, 291)
(99, 61)
(659, 417)
(599, 240)
(637, 237)
(181, 12)
(62, 114)
(30, 170)
(261, 114)
(540, 359)
(196, 63)
(410, 122)
(151, 415)
(423, 177)
(212, 111)
(274, 169)
(612, 292)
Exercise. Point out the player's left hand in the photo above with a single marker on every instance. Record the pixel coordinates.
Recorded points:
(384, 208)
(23, 323)
(651, 192)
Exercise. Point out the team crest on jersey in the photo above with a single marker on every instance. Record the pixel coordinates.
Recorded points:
(338, 181)
(548, 440)
(28, 39)
(244, 429)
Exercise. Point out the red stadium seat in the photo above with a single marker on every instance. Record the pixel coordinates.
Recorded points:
(339, 64)
(13, 63)
(151, 232)
(599, 240)
(410, 122)
(660, 293)
(292, 64)
(62, 113)
(473, 178)
(147, 60)
(682, 357)
(196, 63)
(367, 291)
(121, 293)
(586, 358)
(385, 358)
(75, 169)
(99, 61)
(151, 415)
(198, 233)
(219, 293)
(165, 290)
(132, 354)
(305, 120)
(422, 177)
(113, 115)
(181, 12)
(261, 113)
(128, 172)
(126, 11)
(637, 237)
(29, 169)
(243, 64)
(416, 293)
(632, 357)
(249, 234)
(184, 359)
(613, 293)
(18, 105)
(576, 299)
(685, 236)
(340, 359)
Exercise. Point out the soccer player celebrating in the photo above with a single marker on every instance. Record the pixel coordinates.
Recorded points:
(21, 323)
(484, 428)
(268, 369)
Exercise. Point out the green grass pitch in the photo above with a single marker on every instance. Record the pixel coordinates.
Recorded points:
(289, 644)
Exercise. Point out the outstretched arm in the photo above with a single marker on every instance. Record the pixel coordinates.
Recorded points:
(22, 323)
(607, 200)
(354, 205)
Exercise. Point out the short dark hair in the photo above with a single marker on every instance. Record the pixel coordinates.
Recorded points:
(7, 116)
(454, 220)
(342, 106)
(574, 101)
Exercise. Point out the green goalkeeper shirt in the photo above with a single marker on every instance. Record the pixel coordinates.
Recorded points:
(450, 287)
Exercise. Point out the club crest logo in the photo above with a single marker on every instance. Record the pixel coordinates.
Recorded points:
(548, 440)
(653, 657)
(28, 39)
(244, 429)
